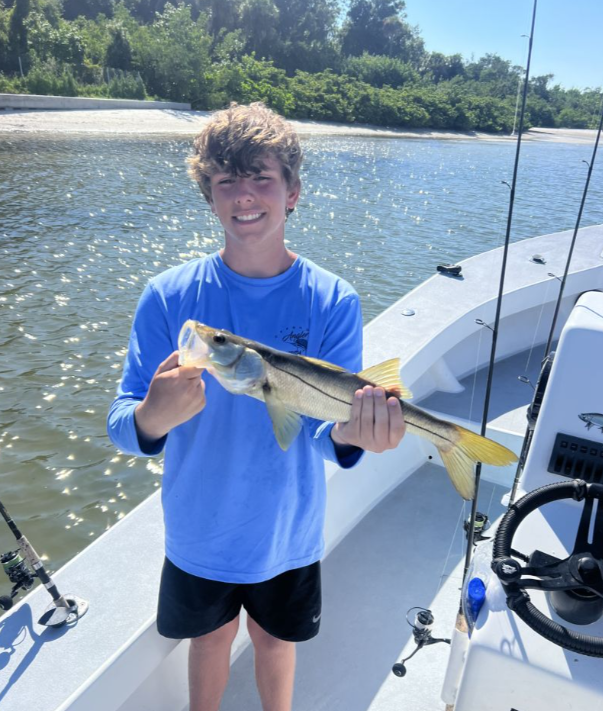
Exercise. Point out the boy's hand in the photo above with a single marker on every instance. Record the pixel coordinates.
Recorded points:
(175, 395)
(376, 423)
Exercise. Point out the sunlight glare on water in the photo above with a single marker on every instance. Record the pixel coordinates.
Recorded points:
(87, 221)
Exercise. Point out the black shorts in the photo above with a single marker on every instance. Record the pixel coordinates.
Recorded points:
(287, 607)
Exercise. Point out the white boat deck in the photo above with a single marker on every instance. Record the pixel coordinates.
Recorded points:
(510, 396)
(408, 551)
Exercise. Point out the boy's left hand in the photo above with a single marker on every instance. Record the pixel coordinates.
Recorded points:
(376, 422)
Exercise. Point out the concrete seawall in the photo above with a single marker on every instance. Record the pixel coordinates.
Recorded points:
(33, 101)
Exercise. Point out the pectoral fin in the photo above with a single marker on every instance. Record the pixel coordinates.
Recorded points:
(286, 424)
(387, 375)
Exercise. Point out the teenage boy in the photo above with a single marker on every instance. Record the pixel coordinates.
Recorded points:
(243, 519)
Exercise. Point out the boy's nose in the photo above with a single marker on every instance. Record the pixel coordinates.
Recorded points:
(244, 192)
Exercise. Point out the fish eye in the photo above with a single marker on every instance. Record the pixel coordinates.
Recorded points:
(219, 338)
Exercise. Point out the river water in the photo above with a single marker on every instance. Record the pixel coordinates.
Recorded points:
(85, 222)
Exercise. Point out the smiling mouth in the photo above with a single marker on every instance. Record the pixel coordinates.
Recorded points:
(248, 218)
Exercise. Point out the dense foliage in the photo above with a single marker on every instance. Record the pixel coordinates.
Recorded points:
(329, 60)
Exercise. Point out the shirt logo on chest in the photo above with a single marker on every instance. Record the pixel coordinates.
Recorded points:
(296, 337)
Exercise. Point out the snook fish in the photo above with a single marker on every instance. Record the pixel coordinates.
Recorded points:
(294, 385)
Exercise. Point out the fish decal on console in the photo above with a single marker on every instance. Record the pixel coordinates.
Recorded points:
(592, 419)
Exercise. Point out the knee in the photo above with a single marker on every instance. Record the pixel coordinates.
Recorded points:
(264, 641)
(223, 636)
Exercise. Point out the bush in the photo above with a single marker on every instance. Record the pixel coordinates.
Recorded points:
(10, 85)
(127, 87)
(51, 79)
(379, 71)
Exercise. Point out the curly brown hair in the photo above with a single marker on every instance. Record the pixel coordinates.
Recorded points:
(237, 138)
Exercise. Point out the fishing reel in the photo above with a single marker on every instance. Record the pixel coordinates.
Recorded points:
(19, 575)
(480, 525)
(22, 567)
(421, 631)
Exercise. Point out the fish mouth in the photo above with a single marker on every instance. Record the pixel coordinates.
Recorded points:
(193, 349)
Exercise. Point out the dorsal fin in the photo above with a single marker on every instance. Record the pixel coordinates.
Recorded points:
(325, 364)
(387, 375)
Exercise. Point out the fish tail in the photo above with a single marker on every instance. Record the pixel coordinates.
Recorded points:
(470, 448)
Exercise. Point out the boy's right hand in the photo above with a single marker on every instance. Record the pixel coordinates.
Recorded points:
(176, 394)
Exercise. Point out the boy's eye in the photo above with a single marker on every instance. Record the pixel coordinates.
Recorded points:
(225, 181)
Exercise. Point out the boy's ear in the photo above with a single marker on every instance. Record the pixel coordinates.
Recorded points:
(293, 195)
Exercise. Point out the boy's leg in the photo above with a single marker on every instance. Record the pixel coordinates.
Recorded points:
(207, 613)
(274, 668)
(209, 667)
(281, 611)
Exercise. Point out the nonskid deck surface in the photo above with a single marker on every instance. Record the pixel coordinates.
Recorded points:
(510, 396)
(407, 551)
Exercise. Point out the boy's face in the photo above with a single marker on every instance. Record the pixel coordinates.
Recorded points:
(252, 209)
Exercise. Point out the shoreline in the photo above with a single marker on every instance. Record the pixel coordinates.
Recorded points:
(171, 122)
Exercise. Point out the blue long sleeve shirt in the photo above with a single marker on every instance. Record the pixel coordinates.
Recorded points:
(236, 507)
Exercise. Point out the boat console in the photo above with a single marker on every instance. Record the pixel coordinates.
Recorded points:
(537, 641)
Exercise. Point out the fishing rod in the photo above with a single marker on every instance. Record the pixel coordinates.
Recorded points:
(547, 358)
(495, 327)
(64, 609)
(574, 236)
(477, 523)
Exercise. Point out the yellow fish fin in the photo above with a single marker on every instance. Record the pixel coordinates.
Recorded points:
(325, 364)
(387, 375)
(460, 470)
(485, 450)
(285, 423)
(470, 448)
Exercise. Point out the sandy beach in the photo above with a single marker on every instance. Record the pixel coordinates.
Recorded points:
(189, 123)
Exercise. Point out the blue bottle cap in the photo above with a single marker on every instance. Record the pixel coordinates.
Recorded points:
(476, 590)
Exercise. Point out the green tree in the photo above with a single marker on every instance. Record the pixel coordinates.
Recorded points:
(119, 50)
(146, 11)
(495, 76)
(172, 56)
(259, 20)
(380, 27)
(223, 15)
(228, 46)
(540, 86)
(4, 38)
(307, 20)
(379, 71)
(441, 67)
(17, 32)
(87, 8)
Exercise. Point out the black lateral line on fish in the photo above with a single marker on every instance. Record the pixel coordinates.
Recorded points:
(314, 387)
(310, 385)
(424, 429)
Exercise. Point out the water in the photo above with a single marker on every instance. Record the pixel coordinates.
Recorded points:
(86, 221)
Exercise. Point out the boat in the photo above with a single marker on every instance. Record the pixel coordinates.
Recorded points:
(394, 530)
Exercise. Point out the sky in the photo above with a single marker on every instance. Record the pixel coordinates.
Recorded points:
(568, 36)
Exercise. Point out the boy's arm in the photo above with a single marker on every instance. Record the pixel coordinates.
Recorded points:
(342, 345)
(154, 394)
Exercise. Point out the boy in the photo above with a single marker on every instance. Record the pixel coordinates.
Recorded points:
(243, 519)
